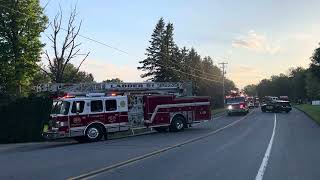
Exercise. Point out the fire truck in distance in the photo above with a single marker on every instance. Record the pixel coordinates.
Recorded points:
(90, 117)
(236, 103)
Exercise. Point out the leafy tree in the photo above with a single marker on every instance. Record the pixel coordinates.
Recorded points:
(312, 86)
(73, 75)
(21, 23)
(315, 63)
(298, 83)
(264, 88)
(40, 78)
(250, 90)
(113, 80)
(70, 75)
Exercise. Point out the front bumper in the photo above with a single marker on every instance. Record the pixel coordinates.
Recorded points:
(54, 135)
(237, 110)
(286, 108)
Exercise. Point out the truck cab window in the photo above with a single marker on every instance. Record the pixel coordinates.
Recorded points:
(111, 105)
(77, 107)
(96, 106)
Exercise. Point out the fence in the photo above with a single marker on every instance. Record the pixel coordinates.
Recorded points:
(316, 102)
(22, 120)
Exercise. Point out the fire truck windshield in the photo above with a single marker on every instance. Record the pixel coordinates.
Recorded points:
(60, 107)
(234, 100)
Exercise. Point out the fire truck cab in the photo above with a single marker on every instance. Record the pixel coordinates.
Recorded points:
(91, 118)
(236, 104)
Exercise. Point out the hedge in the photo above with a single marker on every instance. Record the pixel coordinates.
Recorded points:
(22, 120)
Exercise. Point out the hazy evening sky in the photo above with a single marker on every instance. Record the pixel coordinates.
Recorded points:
(257, 38)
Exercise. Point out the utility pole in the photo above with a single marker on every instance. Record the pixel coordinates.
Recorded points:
(223, 66)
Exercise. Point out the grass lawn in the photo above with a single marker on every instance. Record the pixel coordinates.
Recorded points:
(312, 111)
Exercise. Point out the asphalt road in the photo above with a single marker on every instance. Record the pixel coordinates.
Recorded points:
(258, 146)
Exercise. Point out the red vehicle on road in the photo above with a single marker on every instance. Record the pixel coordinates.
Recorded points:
(236, 104)
(91, 118)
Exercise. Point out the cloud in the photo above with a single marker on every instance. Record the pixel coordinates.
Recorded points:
(104, 70)
(243, 75)
(246, 69)
(255, 42)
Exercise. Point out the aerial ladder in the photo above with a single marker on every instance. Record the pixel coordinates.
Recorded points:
(125, 88)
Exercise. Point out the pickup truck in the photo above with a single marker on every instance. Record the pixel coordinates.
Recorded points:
(276, 106)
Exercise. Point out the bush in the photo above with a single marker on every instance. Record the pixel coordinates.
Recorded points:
(22, 120)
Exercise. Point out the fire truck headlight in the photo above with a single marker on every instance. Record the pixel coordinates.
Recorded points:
(229, 107)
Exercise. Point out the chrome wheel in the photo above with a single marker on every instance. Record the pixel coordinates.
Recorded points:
(93, 133)
(179, 125)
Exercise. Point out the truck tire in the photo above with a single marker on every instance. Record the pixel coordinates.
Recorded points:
(177, 124)
(93, 133)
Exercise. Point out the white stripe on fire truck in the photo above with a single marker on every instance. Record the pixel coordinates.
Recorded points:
(175, 105)
(106, 125)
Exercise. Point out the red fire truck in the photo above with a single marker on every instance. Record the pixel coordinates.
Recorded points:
(236, 103)
(91, 117)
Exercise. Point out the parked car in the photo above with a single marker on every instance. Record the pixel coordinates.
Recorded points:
(276, 106)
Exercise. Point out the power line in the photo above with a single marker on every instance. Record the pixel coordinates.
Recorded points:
(188, 73)
(117, 49)
(96, 41)
(85, 37)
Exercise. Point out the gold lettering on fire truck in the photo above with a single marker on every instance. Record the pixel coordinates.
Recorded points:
(77, 120)
(111, 119)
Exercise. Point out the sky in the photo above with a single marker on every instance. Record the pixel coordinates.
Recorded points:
(257, 39)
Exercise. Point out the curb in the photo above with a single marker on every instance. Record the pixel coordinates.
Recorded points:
(318, 123)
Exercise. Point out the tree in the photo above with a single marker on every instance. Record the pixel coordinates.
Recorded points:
(68, 50)
(150, 64)
(193, 68)
(250, 90)
(165, 61)
(163, 55)
(21, 23)
(312, 86)
(264, 88)
(70, 75)
(113, 80)
(298, 83)
(40, 78)
(73, 75)
(315, 63)
(167, 64)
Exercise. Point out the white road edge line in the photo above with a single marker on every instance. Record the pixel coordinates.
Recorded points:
(94, 173)
(265, 160)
